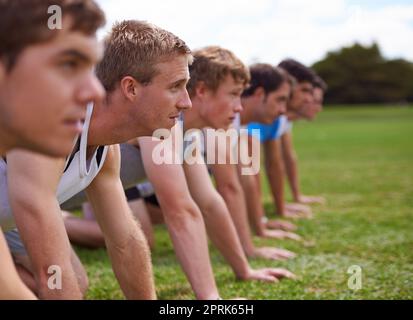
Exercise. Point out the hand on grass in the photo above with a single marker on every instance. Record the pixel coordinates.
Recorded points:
(280, 234)
(273, 253)
(297, 211)
(280, 224)
(269, 274)
(311, 200)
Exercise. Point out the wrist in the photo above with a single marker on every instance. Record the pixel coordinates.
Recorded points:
(212, 296)
(244, 274)
(250, 251)
(262, 225)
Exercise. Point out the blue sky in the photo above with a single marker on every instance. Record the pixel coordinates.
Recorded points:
(270, 30)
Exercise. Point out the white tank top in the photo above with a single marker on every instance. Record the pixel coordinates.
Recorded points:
(77, 175)
(285, 125)
(80, 172)
(6, 217)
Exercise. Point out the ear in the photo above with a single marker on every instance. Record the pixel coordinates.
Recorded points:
(200, 89)
(130, 87)
(2, 71)
(259, 93)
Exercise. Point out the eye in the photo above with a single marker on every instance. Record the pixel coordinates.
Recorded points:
(70, 65)
(176, 87)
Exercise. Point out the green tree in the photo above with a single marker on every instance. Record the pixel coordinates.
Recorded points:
(360, 74)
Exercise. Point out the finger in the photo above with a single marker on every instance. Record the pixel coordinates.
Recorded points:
(278, 257)
(285, 253)
(267, 277)
(279, 224)
(293, 236)
(282, 273)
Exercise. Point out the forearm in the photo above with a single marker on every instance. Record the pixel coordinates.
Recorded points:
(132, 265)
(12, 288)
(235, 202)
(187, 230)
(292, 175)
(290, 160)
(276, 180)
(84, 232)
(223, 234)
(48, 246)
(253, 201)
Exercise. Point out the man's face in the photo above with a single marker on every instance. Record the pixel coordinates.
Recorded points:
(43, 97)
(274, 104)
(318, 99)
(315, 106)
(220, 108)
(161, 101)
(301, 98)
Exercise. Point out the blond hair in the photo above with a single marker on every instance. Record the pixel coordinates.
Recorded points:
(212, 64)
(134, 48)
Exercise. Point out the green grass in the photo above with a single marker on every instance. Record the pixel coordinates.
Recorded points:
(361, 160)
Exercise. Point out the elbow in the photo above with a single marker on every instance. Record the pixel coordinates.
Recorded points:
(181, 214)
(230, 190)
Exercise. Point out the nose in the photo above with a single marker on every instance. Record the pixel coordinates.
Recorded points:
(184, 103)
(309, 98)
(91, 90)
(283, 108)
(238, 106)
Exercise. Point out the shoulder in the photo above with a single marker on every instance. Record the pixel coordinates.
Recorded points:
(112, 159)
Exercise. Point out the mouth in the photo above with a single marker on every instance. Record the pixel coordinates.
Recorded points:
(75, 125)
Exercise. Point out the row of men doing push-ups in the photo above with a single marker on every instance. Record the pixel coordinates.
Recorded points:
(77, 123)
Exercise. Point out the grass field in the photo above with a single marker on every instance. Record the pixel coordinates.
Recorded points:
(361, 160)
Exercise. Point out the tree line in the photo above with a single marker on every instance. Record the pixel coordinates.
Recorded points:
(360, 74)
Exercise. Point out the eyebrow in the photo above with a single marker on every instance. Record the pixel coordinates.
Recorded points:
(179, 82)
(72, 53)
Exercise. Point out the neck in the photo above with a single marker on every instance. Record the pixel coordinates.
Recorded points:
(247, 114)
(6, 143)
(109, 125)
(192, 118)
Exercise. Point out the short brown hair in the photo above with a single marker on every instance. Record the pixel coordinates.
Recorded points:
(266, 76)
(24, 23)
(300, 72)
(212, 64)
(134, 48)
(320, 83)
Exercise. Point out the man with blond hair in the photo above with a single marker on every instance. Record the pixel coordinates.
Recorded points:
(186, 195)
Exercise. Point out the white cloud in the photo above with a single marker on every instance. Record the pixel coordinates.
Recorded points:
(269, 31)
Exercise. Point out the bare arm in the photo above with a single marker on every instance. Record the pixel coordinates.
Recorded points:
(125, 242)
(221, 227)
(250, 184)
(229, 186)
(230, 189)
(184, 221)
(12, 288)
(255, 209)
(218, 221)
(274, 166)
(290, 160)
(33, 181)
